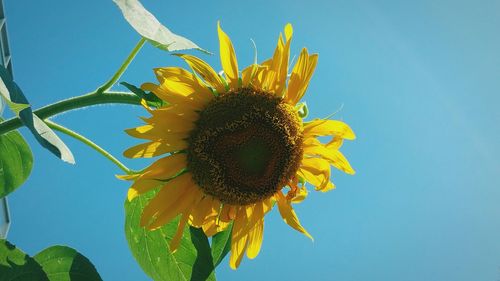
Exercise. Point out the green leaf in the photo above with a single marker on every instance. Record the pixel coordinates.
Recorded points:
(56, 263)
(221, 245)
(17, 101)
(151, 29)
(151, 98)
(16, 162)
(192, 261)
(15, 265)
(61, 263)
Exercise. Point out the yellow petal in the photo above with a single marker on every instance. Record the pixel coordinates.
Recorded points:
(213, 223)
(155, 132)
(228, 212)
(221, 226)
(141, 186)
(169, 194)
(279, 66)
(174, 243)
(335, 143)
(260, 74)
(175, 112)
(189, 198)
(316, 171)
(335, 157)
(224, 213)
(210, 227)
(203, 210)
(300, 77)
(155, 148)
(258, 77)
(300, 195)
(269, 80)
(205, 71)
(192, 101)
(232, 212)
(296, 77)
(288, 214)
(237, 251)
(288, 31)
(282, 72)
(255, 239)
(267, 204)
(327, 127)
(238, 240)
(255, 213)
(296, 194)
(271, 75)
(182, 82)
(171, 124)
(228, 58)
(267, 63)
(247, 75)
(165, 167)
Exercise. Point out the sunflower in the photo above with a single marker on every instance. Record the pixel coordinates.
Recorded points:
(235, 146)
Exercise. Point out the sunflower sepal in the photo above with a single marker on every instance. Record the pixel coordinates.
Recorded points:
(302, 109)
(150, 98)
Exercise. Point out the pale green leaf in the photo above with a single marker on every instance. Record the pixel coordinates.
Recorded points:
(15, 98)
(151, 29)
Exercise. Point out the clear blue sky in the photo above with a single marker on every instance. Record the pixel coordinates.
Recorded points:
(420, 85)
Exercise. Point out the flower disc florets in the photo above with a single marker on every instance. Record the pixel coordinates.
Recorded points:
(246, 146)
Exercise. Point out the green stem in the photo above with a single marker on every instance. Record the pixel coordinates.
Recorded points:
(122, 68)
(73, 103)
(90, 143)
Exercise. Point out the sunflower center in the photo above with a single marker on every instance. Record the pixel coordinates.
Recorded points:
(246, 146)
(252, 156)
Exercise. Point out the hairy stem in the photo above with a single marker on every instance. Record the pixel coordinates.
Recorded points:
(122, 68)
(93, 98)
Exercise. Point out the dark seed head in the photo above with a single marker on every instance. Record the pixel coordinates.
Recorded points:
(246, 146)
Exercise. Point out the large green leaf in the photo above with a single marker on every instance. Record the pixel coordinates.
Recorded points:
(192, 261)
(16, 162)
(221, 245)
(151, 29)
(17, 101)
(17, 266)
(62, 263)
(56, 263)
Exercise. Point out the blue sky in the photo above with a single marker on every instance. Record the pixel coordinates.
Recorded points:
(418, 81)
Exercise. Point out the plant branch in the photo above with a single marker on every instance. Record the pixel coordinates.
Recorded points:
(90, 143)
(122, 68)
(73, 103)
